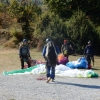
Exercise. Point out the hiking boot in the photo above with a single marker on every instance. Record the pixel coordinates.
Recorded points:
(48, 80)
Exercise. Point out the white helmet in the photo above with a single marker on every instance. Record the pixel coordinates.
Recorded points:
(89, 42)
(47, 40)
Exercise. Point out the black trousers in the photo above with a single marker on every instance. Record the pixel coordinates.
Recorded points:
(25, 60)
(89, 58)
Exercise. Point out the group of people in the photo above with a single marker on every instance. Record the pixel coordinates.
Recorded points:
(53, 56)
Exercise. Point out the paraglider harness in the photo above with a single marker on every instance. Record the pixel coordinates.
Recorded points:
(67, 48)
(25, 56)
(51, 54)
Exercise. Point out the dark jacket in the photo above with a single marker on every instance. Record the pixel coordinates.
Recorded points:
(44, 50)
(24, 51)
(89, 50)
(49, 54)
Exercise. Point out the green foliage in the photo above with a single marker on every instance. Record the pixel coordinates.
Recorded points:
(52, 26)
(25, 13)
(65, 8)
(64, 21)
(90, 7)
(2, 7)
(17, 34)
(80, 30)
(97, 44)
(60, 7)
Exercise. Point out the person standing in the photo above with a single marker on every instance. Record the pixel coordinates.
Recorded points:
(24, 54)
(89, 54)
(50, 55)
(66, 47)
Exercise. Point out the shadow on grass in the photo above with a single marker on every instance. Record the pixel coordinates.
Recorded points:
(79, 85)
(95, 68)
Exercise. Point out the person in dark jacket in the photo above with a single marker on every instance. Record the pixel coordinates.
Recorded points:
(24, 54)
(89, 53)
(49, 53)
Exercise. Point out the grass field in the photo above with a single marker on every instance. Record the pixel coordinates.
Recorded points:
(10, 59)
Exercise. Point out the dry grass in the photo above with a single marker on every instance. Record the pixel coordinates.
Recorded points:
(10, 59)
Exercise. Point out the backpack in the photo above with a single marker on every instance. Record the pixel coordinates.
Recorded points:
(51, 54)
(66, 47)
(24, 50)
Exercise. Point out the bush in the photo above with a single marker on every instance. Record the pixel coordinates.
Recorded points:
(52, 26)
(97, 41)
(10, 44)
(80, 30)
(17, 34)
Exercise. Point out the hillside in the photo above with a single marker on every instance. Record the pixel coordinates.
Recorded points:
(10, 25)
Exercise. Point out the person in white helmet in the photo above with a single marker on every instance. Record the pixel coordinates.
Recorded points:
(50, 54)
(89, 54)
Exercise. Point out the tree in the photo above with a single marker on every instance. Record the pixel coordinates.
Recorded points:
(25, 13)
(52, 26)
(80, 30)
(65, 8)
(60, 7)
(5, 19)
(90, 7)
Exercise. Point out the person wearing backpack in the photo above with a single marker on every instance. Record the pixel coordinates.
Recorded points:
(24, 54)
(89, 54)
(50, 52)
(66, 47)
